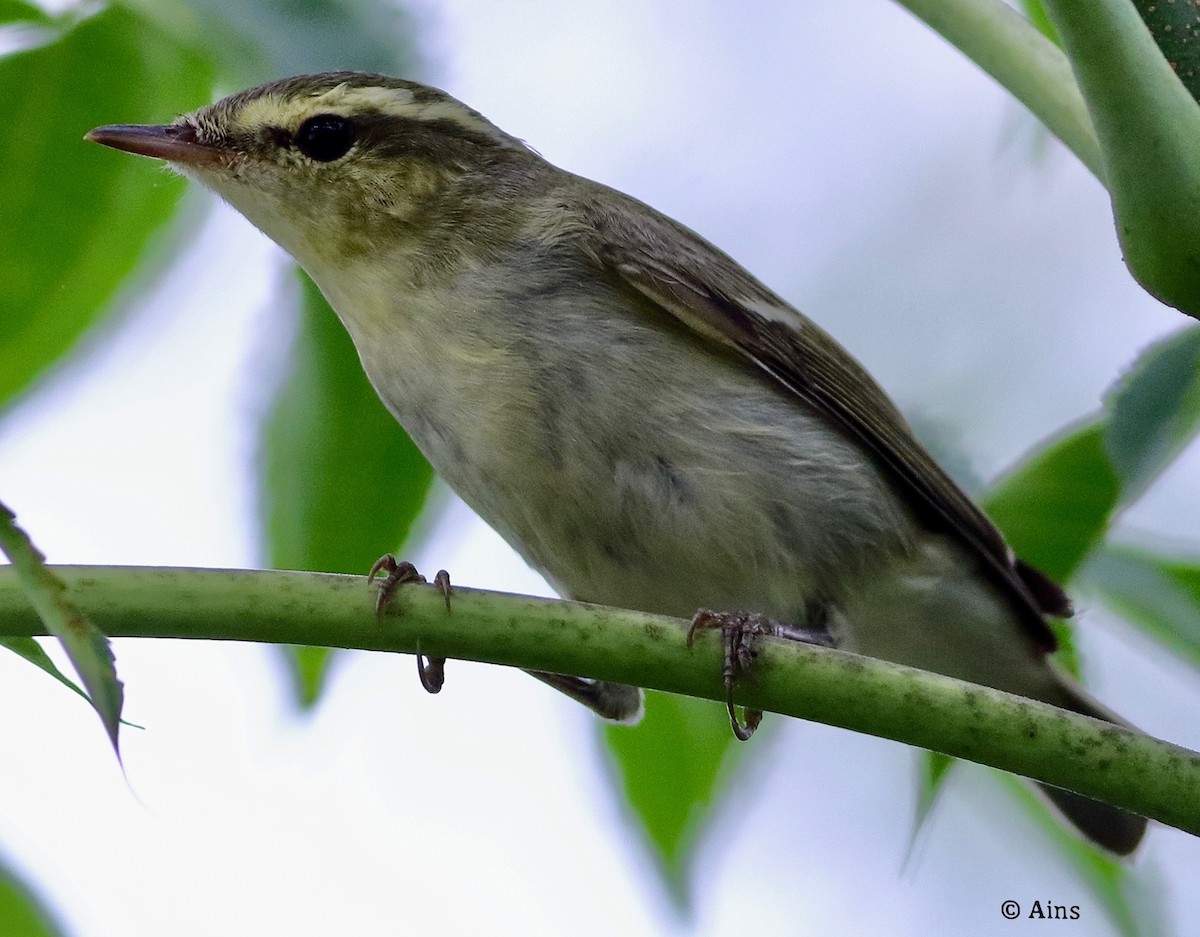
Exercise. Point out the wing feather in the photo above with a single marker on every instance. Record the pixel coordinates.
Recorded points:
(714, 296)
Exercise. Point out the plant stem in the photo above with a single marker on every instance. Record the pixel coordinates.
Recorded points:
(1110, 763)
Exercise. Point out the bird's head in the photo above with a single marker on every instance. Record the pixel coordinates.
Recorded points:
(339, 164)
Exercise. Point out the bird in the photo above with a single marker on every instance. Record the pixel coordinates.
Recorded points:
(646, 423)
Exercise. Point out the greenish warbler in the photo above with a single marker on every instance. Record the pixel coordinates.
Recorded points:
(647, 424)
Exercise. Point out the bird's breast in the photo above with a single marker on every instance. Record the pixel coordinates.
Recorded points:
(622, 458)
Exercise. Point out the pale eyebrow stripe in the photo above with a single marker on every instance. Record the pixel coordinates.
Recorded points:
(275, 110)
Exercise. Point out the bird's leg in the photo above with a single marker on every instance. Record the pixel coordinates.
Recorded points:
(738, 632)
(608, 700)
(431, 670)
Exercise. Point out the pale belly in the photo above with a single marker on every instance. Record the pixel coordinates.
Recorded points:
(631, 467)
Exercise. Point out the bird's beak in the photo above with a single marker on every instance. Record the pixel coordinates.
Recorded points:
(175, 143)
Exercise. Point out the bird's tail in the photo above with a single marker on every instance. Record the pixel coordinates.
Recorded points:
(933, 611)
(1111, 827)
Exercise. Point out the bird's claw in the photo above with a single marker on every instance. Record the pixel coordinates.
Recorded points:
(396, 575)
(738, 631)
(430, 670)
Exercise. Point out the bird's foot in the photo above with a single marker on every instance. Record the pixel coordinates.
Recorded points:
(431, 670)
(739, 632)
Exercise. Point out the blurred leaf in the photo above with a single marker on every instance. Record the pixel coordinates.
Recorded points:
(1055, 506)
(21, 913)
(1160, 595)
(85, 644)
(1067, 655)
(933, 770)
(267, 39)
(309, 670)
(80, 217)
(36, 655)
(340, 482)
(1124, 897)
(1176, 30)
(672, 767)
(18, 11)
(1154, 411)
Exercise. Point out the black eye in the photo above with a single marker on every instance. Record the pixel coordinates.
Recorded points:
(325, 137)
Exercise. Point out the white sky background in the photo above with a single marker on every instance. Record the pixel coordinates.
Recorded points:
(856, 164)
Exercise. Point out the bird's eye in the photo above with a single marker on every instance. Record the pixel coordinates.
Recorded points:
(325, 137)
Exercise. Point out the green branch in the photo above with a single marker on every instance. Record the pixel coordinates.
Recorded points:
(1112, 764)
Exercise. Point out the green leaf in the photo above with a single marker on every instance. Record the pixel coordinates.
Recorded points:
(33, 652)
(1154, 411)
(1148, 126)
(1159, 594)
(18, 11)
(22, 914)
(1056, 505)
(85, 644)
(672, 767)
(1067, 654)
(933, 770)
(80, 217)
(255, 42)
(340, 482)
(1054, 508)
(308, 668)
